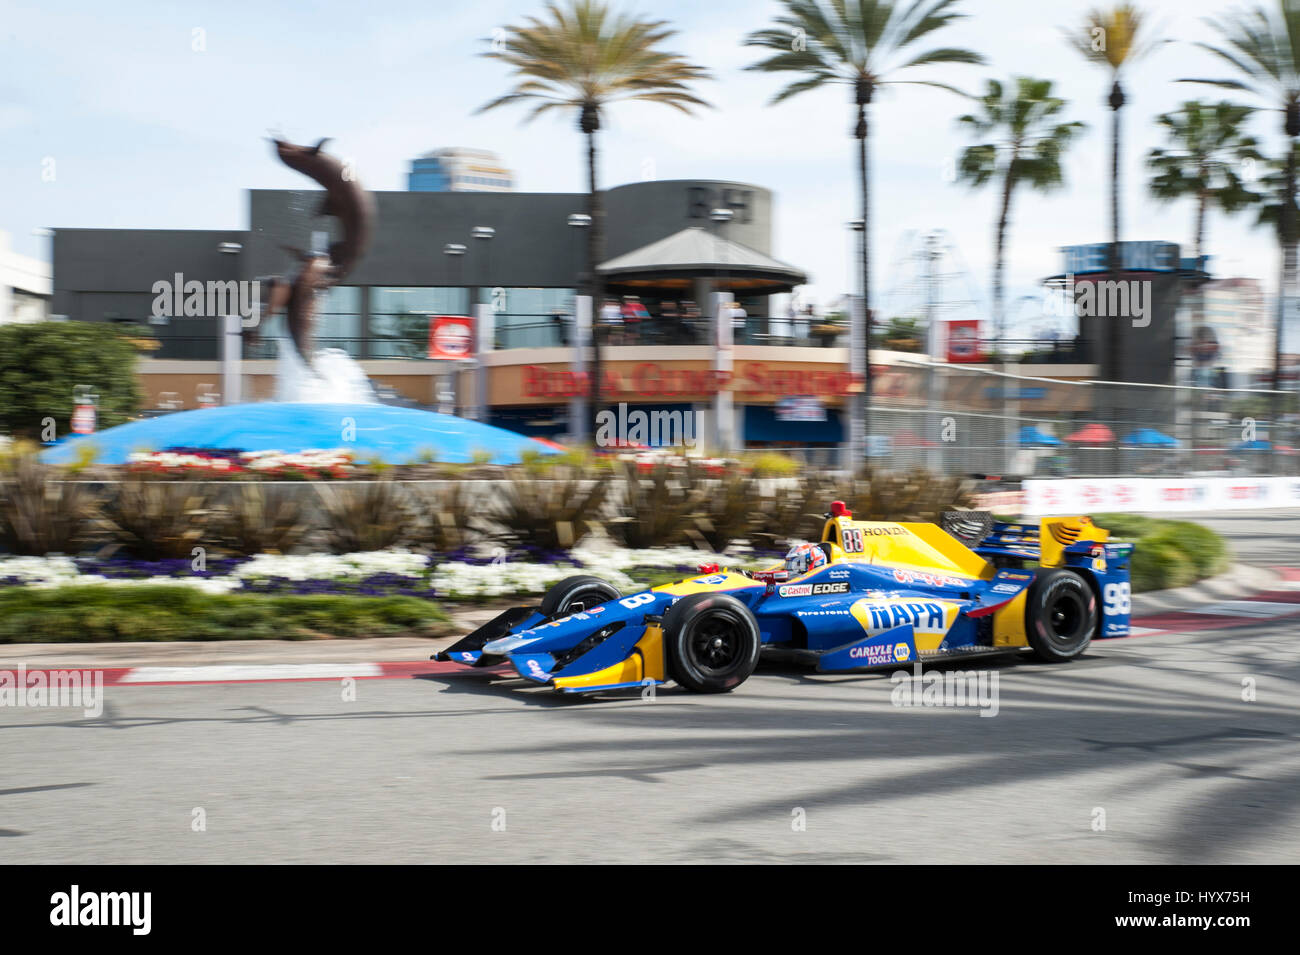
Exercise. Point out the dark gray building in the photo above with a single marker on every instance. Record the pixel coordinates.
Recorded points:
(527, 270)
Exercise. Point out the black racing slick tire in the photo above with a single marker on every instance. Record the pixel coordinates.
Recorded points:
(711, 642)
(580, 592)
(1060, 615)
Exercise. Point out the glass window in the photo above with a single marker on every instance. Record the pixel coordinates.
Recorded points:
(399, 318)
(530, 317)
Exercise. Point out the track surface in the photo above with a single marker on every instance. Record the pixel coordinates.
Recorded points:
(1153, 731)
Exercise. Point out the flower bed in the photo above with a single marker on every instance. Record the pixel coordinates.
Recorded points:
(459, 576)
(210, 463)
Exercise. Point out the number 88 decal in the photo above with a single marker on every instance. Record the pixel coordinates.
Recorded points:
(852, 540)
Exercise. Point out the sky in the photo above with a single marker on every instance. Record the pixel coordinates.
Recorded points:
(154, 115)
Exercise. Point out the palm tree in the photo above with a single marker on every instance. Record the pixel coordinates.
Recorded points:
(864, 44)
(581, 58)
(1026, 150)
(1114, 38)
(1207, 148)
(1263, 46)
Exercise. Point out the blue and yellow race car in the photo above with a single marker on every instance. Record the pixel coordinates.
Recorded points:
(869, 595)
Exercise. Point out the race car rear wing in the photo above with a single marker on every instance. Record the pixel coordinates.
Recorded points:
(1045, 542)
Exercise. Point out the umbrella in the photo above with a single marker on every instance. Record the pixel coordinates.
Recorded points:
(1031, 434)
(1092, 434)
(1149, 438)
(391, 433)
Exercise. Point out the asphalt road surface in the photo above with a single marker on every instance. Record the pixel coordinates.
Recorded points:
(1143, 752)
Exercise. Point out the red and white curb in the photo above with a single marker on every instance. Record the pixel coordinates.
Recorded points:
(259, 673)
(1282, 600)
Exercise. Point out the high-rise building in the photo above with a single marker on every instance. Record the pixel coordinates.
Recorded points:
(1232, 333)
(25, 286)
(457, 169)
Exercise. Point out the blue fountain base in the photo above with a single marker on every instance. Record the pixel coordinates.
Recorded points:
(391, 434)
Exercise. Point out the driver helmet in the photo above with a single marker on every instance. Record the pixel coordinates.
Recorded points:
(803, 558)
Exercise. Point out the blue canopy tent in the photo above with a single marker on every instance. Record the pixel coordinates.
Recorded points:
(392, 434)
(1148, 438)
(1256, 445)
(1032, 435)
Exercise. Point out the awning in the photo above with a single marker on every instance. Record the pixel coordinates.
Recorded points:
(697, 253)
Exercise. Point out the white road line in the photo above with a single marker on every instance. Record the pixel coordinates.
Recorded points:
(233, 673)
(1248, 608)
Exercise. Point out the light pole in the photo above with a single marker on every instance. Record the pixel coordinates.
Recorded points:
(585, 325)
(859, 360)
(484, 325)
(723, 405)
(455, 252)
(232, 342)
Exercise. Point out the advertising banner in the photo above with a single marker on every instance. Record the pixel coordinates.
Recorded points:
(451, 337)
(1158, 495)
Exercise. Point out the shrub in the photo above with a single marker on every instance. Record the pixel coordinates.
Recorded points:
(85, 614)
(443, 522)
(1159, 563)
(553, 512)
(724, 511)
(261, 519)
(40, 514)
(364, 515)
(42, 362)
(158, 520)
(654, 505)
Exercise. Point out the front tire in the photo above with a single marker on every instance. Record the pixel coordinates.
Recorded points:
(711, 641)
(580, 592)
(1060, 615)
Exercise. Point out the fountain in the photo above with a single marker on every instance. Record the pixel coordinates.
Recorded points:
(323, 399)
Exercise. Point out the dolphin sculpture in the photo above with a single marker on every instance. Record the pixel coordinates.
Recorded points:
(346, 200)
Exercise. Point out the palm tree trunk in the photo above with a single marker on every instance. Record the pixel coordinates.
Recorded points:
(595, 287)
(1198, 311)
(1010, 434)
(1116, 102)
(1288, 285)
(863, 97)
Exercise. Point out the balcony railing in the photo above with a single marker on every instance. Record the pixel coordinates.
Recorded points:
(534, 331)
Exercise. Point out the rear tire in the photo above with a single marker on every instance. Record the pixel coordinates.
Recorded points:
(711, 642)
(565, 597)
(1060, 615)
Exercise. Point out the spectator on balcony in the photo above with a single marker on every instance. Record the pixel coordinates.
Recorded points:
(611, 321)
(738, 318)
(633, 314)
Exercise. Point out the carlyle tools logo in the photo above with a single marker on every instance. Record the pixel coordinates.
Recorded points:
(178, 297)
(74, 907)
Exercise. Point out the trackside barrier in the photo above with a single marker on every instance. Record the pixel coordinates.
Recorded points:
(1143, 495)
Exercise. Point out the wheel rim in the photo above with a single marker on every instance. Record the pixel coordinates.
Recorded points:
(714, 644)
(1064, 617)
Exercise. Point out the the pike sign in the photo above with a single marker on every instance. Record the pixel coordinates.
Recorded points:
(652, 380)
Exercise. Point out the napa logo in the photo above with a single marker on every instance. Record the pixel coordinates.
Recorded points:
(930, 617)
(901, 652)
